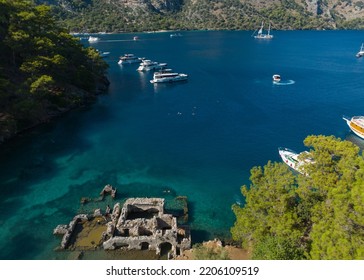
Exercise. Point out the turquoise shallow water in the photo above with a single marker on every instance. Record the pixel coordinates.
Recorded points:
(199, 139)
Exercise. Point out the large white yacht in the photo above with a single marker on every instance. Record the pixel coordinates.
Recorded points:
(356, 124)
(295, 160)
(148, 65)
(167, 76)
(128, 59)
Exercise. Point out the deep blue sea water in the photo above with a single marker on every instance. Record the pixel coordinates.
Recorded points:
(197, 139)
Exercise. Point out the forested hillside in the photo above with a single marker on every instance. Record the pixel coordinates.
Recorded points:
(147, 15)
(43, 69)
(318, 216)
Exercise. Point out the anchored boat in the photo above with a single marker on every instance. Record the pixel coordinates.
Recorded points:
(262, 35)
(295, 160)
(92, 39)
(360, 53)
(356, 124)
(128, 59)
(166, 76)
(148, 65)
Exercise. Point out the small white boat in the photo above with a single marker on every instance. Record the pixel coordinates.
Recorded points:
(262, 35)
(104, 54)
(92, 39)
(128, 59)
(276, 78)
(135, 38)
(167, 76)
(356, 124)
(175, 35)
(148, 65)
(295, 160)
(360, 53)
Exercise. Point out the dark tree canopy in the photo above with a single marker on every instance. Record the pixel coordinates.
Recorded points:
(43, 69)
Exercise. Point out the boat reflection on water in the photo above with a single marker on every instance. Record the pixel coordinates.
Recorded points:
(355, 140)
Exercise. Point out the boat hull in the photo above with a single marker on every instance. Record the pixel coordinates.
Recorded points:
(276, 78)
(289, 157)
(180, 78)
(355, 125)
(129, 61)
(293, 159)
(263, 36)
(152, 67)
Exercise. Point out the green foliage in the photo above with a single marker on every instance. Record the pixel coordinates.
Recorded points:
(42, 85)
(277, 248)
(320, 216)
(40, 62)
(26, 112)
(201, 252)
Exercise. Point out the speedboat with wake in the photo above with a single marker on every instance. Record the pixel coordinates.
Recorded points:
(276, 78)
(356, 124)
(295, 160)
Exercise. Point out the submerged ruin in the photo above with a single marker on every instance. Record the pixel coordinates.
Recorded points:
(140, 224)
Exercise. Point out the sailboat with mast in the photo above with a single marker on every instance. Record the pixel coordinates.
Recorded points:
(361, 51)
(262, 35)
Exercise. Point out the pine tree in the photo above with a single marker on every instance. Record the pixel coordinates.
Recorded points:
(318, 216)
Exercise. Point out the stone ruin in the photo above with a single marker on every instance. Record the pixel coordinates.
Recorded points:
(141, 224)
(67, 230)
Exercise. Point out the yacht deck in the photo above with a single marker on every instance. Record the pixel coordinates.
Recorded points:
(358, 121)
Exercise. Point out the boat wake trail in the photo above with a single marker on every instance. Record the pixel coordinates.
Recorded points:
(284, 83)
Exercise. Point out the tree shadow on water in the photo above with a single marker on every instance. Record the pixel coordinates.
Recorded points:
(199, 236)
(22, 246)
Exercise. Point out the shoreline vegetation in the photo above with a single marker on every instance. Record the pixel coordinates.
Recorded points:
(141, 16)
(44, 71)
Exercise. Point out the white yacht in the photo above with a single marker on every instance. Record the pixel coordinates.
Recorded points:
(356, 124)
(167, 76)
(295, 160)
(262, 35)
(92, 39)
(128, 59)
(361, 51)
(148, 65)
